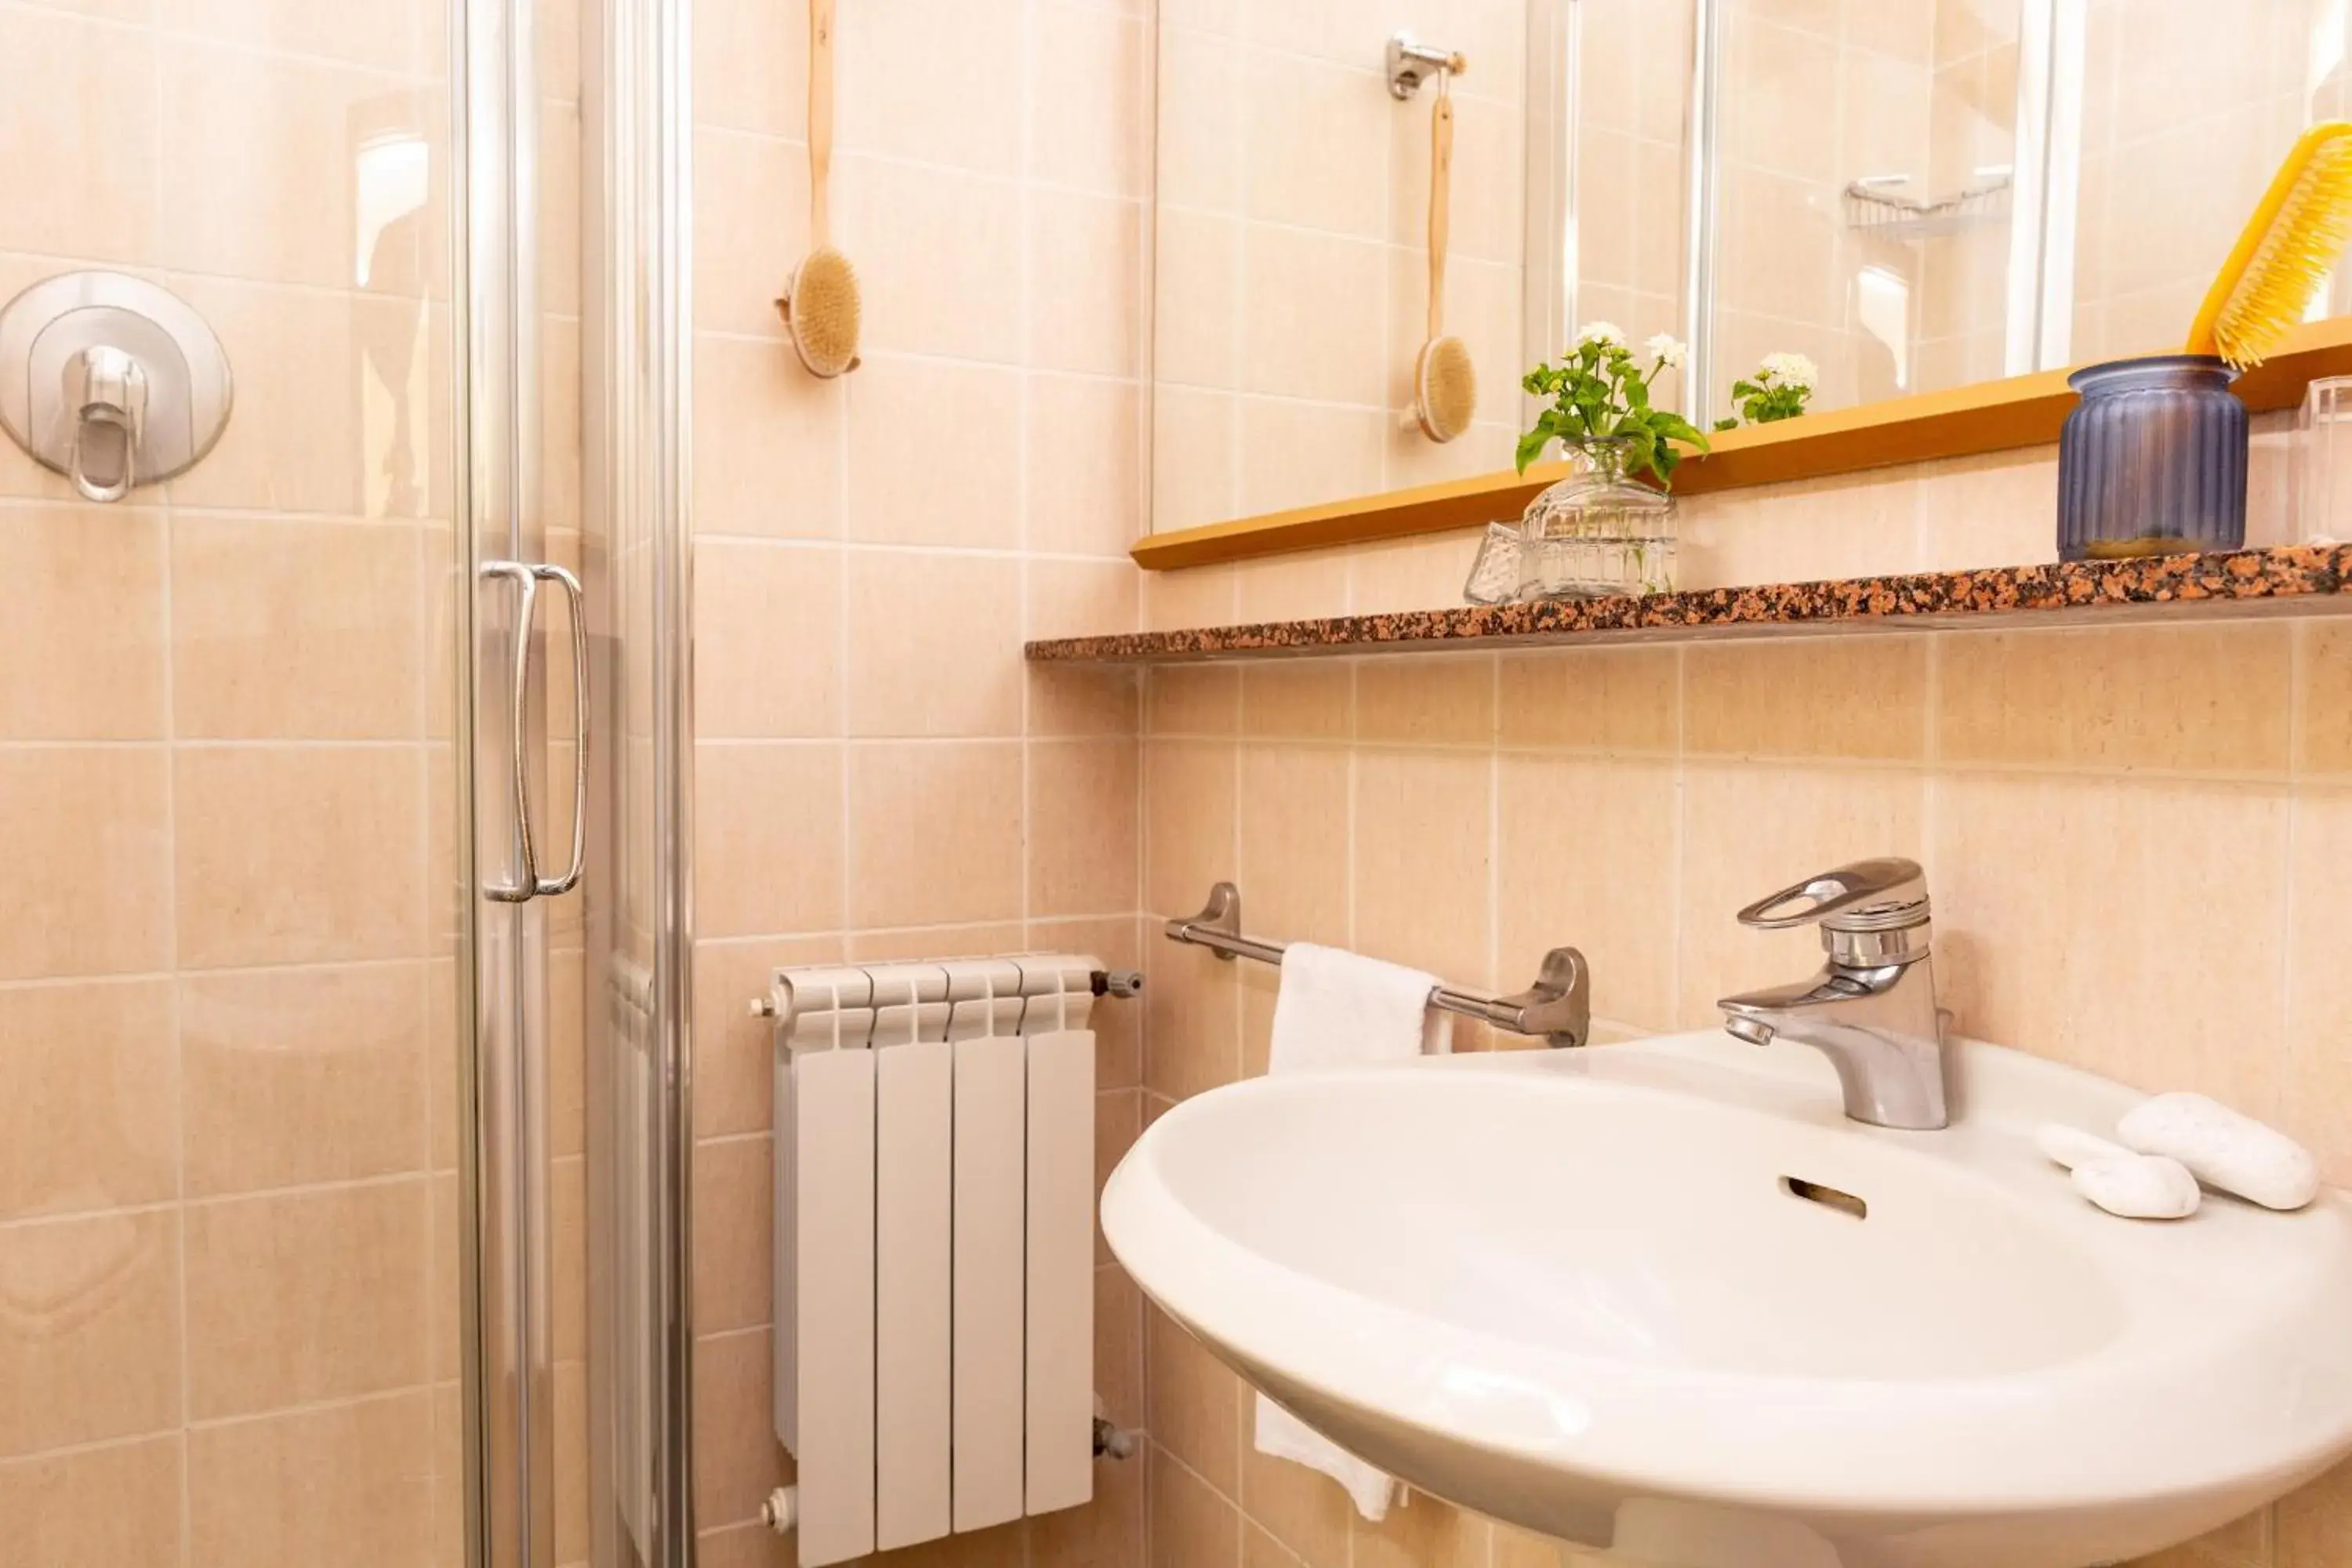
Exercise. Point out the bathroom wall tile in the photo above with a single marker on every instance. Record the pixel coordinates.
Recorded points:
(1079, 599)
(935, 834)
(1197, 597)
(1427, 701)
(2317, 1097)
(1304, 454)
(1192, 1022)
(1307, 123)
(934, 646)
(1306, 1513)
(1621, 702)
(944, 90)
(350, 1483)
(1119, 943)
(92, 1118)
(1306, 700)
(1425, 1533)
(1306, 297)
(750, 66)
(1119, 1121)
(115, 1507)
(273, 638)
(1851, 526)
(1195, 467)
(1863, 698)
(2315, 1524)
(1196, 1405)
(559, 192)
(1083, 466)
(1089, 99)
(1196, 307)
(1423, 573)
(966, 489)
(2243, 1543)
(1086, 271)
(1999, 509)
(1110, 1530)
(1119, 1351)
(258, 825)
(751, 1545)
(766, 442)
(1294, 833)
(2059, 908)
(1820, 818)
(85, 834)
(2324, 709)
(734, 1234)
(1517, 1548)
(1421, 844)
(1587, 851)
(769, 638)
(768, 840)
(2207, 699)
(297, 1298)
(1079, 699)
(938, 255)
(82, 618)
(1084, 848)
(91, 1350)
(570, 1481)
(1193, 699)
(751, 229)
(739, 1460)
(302, 1076)
(1199, 145)
(77, 198)
(733, 1051)
(1305, 585)
(1189, 801)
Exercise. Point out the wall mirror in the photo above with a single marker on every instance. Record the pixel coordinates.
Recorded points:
(1915, 194)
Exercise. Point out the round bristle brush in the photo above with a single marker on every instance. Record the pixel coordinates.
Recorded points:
(820, 305)
(1444, 382)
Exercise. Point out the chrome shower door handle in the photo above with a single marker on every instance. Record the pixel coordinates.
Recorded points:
(530, 884)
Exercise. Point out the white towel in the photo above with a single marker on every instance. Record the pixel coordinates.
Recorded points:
(1335, 1009)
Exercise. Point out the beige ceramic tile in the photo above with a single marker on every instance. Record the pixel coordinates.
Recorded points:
(1193, 699)
(768, 640)
(2323, 713)
(1748, 830)
(733, 1051)
(1421, 861)
(1192, 1022)
(1119, 1348)
(1197, 597)
(751, 1545)
(81, 620)
(2315, 1524)
(938, 255)
(567, 1189)
(1085, 465)
(116, 1507)
(1306, 300)
(1293, 851)
(2243, 1543)
(1189, 822)
(2000, 509)
(84, 833)
(91, 1118)
(1084, 840)
(1196, 1405)
(1309, 124)
(946, 90)
(1295, 453)
(350, 1483)
(2205, 699)
(1615, 700)
(1196, 307)
(766, 442)
(1519, 1549)
(2060, 905)
(916, 944)
(1106, 1532)
(1423, 701)
(1305, 585)
(75, 202)
(1861, 698)
(1306, 699)
(303, 1076)
(1119, 944)
(1411, 573)
(299, 853)
(1423, 1533)
(571, 1462)
(1199, 163)
(1851, 526)
(1260, 1549)
(274, 635)
(767, 836)
(934, 645)
(739, 1460)
(89, 1350)
(733, 1197)
(1588, 850)
(1195, 463)
(1118, 1120)
(1089, 99)
(1305, 1512)
(2318, 1098)
(966, 490)
(1084, 700)
(935, 834)
(301, 1297)
(1079, 598)
(750, 66)
(1085, 257)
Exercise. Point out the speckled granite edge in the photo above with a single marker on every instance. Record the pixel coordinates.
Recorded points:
(2288, 571)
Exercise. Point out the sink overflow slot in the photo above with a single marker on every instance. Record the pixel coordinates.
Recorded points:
(1828, 1197)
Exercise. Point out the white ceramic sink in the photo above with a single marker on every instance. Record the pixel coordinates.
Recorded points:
(1576, 1290)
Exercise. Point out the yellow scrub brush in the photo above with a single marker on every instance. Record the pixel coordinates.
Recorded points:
(2296, 235)
(820, 305)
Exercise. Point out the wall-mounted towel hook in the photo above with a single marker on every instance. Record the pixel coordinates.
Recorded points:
(1411, 64)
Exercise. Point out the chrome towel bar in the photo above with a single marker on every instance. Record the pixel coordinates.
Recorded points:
(1558, 1006)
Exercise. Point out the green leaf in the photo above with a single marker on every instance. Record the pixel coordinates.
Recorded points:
(1531, 446)
(1727, 423)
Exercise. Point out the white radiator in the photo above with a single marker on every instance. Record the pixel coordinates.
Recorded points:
(934, 1246)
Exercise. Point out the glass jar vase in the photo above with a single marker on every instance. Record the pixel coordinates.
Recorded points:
(1598, 532)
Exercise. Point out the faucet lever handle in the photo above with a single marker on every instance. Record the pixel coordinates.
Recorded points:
(1867, 895)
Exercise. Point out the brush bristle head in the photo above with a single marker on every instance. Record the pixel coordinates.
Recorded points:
(822, 310)
(1446, 388)
(2302, 245)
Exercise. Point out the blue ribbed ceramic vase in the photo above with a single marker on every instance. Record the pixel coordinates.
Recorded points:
(2153, 460)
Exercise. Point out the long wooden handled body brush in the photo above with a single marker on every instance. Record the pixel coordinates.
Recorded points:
(2296, 235)
(820, 305)
(1444, 382)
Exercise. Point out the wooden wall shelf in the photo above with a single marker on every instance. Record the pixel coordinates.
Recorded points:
(1989, 416)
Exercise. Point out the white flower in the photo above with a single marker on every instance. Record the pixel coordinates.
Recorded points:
(1668, 350)
(1606, 333)
(1790, 370)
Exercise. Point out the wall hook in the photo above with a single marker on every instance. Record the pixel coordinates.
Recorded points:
(1410, 64)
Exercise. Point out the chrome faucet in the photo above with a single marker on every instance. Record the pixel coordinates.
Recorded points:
(1872, 1009)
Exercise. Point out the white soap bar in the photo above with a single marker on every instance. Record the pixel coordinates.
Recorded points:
(2139, 1186)
(2224, 1149)
(2071, 1146)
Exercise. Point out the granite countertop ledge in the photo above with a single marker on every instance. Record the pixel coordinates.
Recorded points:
(2302, 579)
